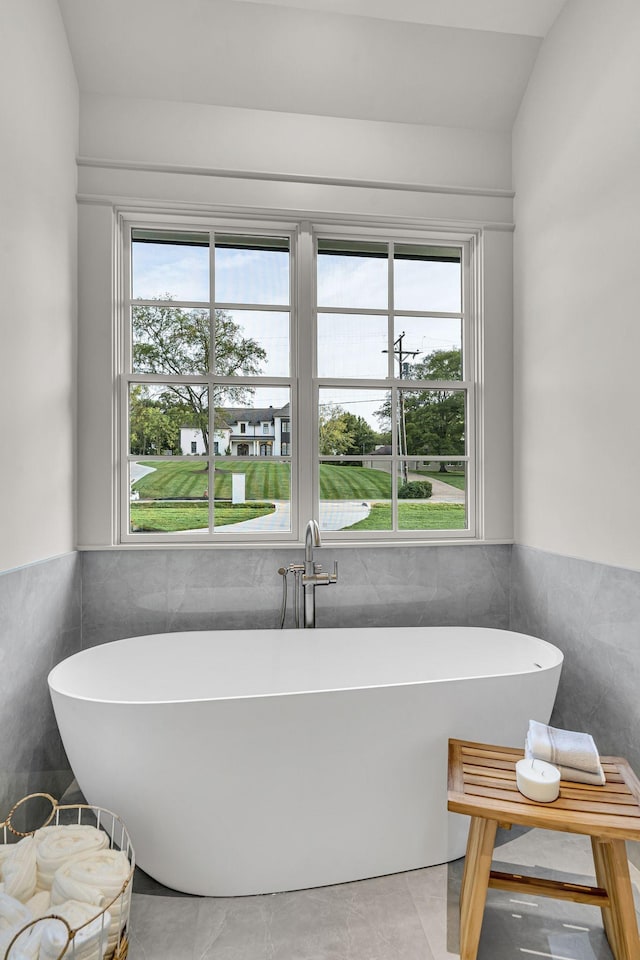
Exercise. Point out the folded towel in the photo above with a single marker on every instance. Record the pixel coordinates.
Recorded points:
(60, 844)
(89, 943)
(19, 870)
(98, 878)
(575, 754)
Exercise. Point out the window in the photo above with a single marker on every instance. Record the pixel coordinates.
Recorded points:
(218, 349)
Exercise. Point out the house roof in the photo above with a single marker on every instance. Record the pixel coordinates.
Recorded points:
(252, 414)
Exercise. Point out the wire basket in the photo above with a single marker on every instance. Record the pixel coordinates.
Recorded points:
(103, 936)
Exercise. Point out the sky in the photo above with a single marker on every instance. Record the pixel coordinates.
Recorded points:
(349, 345)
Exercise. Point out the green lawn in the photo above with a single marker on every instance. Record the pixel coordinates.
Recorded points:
(186, 479)
(455, 478)
(265, 480)
(353, 483)
(171, 516)
(414, 516)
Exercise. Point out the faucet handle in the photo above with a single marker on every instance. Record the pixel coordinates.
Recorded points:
(333, 577)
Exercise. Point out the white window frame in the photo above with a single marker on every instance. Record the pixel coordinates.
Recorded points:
(303, 383)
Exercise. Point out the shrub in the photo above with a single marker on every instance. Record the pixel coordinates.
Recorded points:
(415, 490)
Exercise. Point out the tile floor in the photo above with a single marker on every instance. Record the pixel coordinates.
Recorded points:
(407, 916)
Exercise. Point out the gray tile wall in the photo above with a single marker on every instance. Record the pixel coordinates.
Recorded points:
(39, 626)
(592, 612)
(49, 610)
(128, 593)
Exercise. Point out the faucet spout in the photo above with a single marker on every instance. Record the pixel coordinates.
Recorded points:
(311, 540)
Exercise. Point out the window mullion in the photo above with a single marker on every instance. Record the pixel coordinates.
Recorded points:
(306, 422)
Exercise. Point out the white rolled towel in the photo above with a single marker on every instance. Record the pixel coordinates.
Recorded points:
(39, 904)
(13, 917)
(90, 941)
(59, 844)
(6, 849)
(574, 753)
(101, 877)
(19, 870)
(26, 946)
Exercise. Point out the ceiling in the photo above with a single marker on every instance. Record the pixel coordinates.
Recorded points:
(460, 63)
(530, 17)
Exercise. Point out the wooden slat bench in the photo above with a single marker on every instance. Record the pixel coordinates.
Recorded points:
(482, 784)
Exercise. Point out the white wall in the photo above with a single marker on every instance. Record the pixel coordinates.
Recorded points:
(205, 136)
(577, 331)
(39, 124)
(173, 156)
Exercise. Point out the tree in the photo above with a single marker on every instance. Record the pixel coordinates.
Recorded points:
(150, 429)
(169, 340)
(335, 437)
(365, 439)
(433, 419)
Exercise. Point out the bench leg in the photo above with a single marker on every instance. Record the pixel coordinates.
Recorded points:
(475, 880)
(612, 873)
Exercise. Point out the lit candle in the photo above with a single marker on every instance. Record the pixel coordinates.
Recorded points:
(538, 780)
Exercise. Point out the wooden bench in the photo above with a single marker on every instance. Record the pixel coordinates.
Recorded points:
(482, 784)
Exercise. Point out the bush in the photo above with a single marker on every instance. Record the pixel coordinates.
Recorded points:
(415, 490)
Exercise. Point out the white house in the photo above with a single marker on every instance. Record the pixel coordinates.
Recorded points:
(243, 432)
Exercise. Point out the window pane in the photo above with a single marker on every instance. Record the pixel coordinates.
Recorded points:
(240, 417)
(349, 421)
(431, 495)
(169, 265)
(168, 496)
(352, 345)
(252, 342)
(353, 274)
(427, 278)
(170, 340)
(428, 348)
(355, 495)
(431, 423)
(251, 269)
(164, 417)
(252, 496)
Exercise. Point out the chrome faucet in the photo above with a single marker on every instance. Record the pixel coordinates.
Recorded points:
(310, 574)
(313, 575)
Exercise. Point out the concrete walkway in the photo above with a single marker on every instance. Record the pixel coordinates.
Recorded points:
(441, 491)
(334, 515)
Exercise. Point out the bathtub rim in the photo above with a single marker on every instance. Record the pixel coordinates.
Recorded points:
(57, 671)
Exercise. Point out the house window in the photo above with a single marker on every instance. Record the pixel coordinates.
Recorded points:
(381, 375)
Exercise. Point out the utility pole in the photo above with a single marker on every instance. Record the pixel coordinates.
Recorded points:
(402, 354)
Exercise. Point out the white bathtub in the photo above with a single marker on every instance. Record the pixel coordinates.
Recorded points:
(256, 761)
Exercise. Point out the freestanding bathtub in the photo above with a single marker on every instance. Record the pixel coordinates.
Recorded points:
(250, 762)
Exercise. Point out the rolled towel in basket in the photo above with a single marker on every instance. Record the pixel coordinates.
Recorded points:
(26, 946)
(90, 941)
(101, 877)
(58, 845)
(19, 870)
(13, 917)
(574, 753)
(39, 904)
